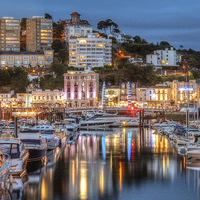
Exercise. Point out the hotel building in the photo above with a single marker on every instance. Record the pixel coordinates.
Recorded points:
(81, 88)
(91, 51)
(26, 59)
(39, 33)
(9, 34)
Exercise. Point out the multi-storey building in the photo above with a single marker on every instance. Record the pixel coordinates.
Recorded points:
(183, 92)
(167, 57)
(9, 34)
(47, 97)
(118, 95)
(81, 88)
(26, 59)
(77, 27)
(91, 51)
(39, 33)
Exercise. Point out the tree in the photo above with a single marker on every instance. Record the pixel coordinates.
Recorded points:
(164, 43)
(58, 68)
(181, 46)
(63, 55)
(54, 24)
(57, 45)
(137, 39)
(102, 25)
(116, 30)
(47, 16)
(59, 30)
(23, 23)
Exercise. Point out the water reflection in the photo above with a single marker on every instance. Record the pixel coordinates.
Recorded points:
(126, 163)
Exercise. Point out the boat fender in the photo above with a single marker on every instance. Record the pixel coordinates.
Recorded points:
(6, 184)
(2, 185)
(11, 179)
(11, 188)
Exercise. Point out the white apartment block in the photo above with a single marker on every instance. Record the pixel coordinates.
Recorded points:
(10, 34)
(77, 31)
(120, 38)
(167, 57)
(26, 59)
(91, 51)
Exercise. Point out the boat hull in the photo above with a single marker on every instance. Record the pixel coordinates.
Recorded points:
(36, 154)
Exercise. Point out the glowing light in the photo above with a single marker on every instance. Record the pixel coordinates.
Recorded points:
(185, 88)
(101, 181)
(120, 175)
(82, 41)
(83, 184)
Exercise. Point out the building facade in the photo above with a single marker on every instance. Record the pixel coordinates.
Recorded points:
(77, 27)
(26, 59)
(81, 88)
(10, 34)
(167, 57)
(183, 92)
(47, 97)
(39, 33)
(91, 51)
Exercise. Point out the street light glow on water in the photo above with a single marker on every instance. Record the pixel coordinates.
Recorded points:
(126, 164)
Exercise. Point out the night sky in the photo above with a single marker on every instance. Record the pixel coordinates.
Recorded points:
(175, 21)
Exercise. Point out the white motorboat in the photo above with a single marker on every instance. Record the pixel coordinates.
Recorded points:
(18, 154)
(48, 134)
(95, 124)
(5, 165)
(33, 141)
(157, 125)
(74, 122)
(194, 154)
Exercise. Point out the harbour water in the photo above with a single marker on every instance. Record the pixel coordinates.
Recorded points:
(126, 164)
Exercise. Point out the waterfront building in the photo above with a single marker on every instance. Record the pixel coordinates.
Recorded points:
(24, 100)
(118, 95)
(155, 96)
(167, 57)
(112, 95)
(183, 92)
(10, 34)
(7, 98)
(26, 59)
(39, 33)
(47, 98)
(92, 51)
(81, 88)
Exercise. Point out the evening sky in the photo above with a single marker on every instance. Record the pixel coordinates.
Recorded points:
(175, 21)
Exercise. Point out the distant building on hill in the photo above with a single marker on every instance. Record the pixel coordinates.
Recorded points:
(10, 34)
(39, 33)
(26, 59)
(167, 57)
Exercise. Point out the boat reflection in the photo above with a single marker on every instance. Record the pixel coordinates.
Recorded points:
(101, 166)
(193, 175)
(18, 185)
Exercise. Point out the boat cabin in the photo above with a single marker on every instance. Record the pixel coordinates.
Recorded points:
(12, 147)
(30, 137)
